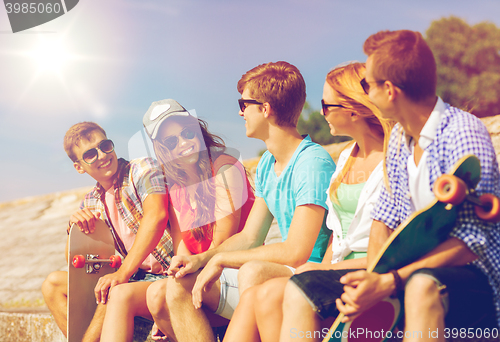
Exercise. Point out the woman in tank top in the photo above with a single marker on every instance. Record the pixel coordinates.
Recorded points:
(210, 199)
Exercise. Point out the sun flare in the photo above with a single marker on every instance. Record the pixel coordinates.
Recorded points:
(50, 56)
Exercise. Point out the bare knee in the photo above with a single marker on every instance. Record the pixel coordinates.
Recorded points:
(422, 294)
(269, 297)
(120, 294)
(251, 274)
(156, 297)
(55, 283)
(179, 290)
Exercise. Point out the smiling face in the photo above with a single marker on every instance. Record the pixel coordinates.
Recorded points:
(339, 119)
(183, 139)
(103, 170)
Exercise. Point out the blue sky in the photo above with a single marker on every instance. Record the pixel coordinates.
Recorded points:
(115, 57)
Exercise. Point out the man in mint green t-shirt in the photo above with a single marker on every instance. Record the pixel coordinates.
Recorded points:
(303, 181)
(291, 182)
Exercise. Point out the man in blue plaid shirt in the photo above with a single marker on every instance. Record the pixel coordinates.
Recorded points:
(457, 285)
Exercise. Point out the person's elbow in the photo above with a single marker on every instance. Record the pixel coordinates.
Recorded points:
(297, 258)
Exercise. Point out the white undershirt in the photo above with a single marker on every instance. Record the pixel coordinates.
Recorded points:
(418, 181)
(419, 176)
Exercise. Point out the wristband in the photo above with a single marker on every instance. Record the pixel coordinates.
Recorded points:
(398, 282)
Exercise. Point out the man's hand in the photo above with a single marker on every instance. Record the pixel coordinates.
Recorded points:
(182, 265)
(206, 279)
(85, 219)
(362, 290)
(106, 283)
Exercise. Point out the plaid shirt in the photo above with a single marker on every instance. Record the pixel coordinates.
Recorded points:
(134, 182)
(458, 134)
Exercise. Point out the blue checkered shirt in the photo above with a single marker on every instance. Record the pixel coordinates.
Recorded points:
(458, 134)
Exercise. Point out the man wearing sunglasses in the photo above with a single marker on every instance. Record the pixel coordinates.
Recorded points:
(130, 196)
(291, 182)
(457, 285)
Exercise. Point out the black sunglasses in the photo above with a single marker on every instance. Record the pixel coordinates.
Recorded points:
(172, 141)
(325, 106)
(243, 103)
(105, 146)
(366, 85)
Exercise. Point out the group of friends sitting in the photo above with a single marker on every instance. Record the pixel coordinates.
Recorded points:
(191, 227)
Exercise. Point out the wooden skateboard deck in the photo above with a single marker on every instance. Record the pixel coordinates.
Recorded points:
(81, 298)
(419, 234)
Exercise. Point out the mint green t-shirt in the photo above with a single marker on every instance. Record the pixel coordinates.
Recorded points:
(303, 181)
(348, 197)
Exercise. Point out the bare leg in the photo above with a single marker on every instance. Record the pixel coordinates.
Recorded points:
(243, 324)
(269, 308)
(190, 324)
(125, 302)
(93, 333)
(157, 305)
(298, 316)
(423, 310)
(257, 272)
(55, 294)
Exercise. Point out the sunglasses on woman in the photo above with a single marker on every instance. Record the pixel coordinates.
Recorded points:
(105, 146)
(172, 141)
(325, 106)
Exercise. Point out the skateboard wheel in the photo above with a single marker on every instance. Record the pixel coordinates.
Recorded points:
(489, 210)
(450, 189)
(78, 261)
(116, 261)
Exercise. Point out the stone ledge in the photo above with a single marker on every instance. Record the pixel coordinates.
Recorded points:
(29, 327)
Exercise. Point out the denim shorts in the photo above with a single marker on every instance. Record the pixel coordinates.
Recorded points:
(467, 296)
(142, 275)
(229, 293)
(321, 289)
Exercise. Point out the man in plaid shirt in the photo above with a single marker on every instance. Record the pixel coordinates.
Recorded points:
(131, 197)
(457, 284)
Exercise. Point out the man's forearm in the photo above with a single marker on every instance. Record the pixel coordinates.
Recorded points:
(237, 242)
(452, 252)
(277, 252)
(379, 233)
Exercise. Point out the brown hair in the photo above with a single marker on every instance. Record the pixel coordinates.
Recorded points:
(345, 81)
(175, 173)
(404, 58)
(281, 85)
(76, 133)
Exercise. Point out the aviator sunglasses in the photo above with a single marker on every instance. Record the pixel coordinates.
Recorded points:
(172, 141)
(105, 146)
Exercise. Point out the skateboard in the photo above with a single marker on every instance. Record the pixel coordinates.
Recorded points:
(91, 256)
(419, 234)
